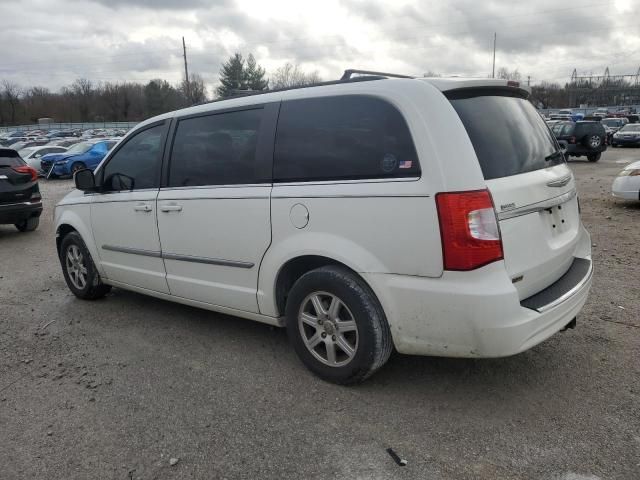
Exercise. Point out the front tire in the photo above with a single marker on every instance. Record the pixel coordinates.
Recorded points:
(337, 326)
(78, 269)
(28, 225)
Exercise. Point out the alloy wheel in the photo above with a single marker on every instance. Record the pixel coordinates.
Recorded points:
(328, 329)
(76, 268)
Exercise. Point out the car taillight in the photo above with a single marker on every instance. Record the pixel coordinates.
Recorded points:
(29, 170)
(572, 139)
(468, 229)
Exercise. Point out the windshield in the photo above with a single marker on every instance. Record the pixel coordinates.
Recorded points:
(507, 133)
(25, 152)
(631, 128)
(79, 148)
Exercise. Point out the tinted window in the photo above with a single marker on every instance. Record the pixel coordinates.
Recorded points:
(10, 158)
(508, 134)
(216, 149)
(137, 163)
(563, 129)
(346, 137)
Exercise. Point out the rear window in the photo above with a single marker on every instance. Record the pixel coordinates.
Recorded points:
(9, 158)
(506, 131)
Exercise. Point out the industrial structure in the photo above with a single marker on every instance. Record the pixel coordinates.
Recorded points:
(607, 89)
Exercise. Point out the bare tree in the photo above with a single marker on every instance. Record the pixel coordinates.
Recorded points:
(11, 96)
(507, 74)
(290, 75)
(195, 92)
(82, 90)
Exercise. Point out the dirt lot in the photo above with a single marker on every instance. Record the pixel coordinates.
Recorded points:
(118, 387)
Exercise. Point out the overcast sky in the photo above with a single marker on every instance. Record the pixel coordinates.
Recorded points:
(52, 42)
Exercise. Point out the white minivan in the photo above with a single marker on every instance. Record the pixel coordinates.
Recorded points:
(433, 216)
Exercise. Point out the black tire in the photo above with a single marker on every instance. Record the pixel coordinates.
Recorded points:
(93, 287)
(28, 225)
(594, 157)
(374, 343)
(77, 167)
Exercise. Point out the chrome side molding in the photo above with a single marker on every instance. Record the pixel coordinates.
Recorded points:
(182, 258)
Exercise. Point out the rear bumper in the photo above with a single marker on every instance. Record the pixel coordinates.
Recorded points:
(580, 150)
(472, 314)
(16, 212)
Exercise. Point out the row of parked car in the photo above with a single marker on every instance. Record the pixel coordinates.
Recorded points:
(62, 152)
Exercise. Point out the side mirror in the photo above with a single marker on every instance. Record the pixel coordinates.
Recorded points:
(85, 180)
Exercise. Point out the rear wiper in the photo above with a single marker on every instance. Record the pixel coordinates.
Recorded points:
(553, 156)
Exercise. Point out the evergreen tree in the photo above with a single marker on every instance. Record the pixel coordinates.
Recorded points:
(254, 75)
(232, 76)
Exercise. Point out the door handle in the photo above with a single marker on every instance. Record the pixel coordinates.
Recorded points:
(142, 208)
(171, 208)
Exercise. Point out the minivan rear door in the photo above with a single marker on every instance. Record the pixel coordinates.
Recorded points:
(533, 189)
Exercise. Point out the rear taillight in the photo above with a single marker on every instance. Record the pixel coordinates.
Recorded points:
(572, 140)
(468, 229)
(27, 169)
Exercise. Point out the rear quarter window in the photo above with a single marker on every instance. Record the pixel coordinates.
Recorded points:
(342, 138)
(507, 133)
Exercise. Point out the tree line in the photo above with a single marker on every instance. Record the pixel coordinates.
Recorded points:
(87, 101)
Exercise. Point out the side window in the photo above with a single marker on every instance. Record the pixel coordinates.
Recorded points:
(136, 165)
(346, 137)
(218, 149)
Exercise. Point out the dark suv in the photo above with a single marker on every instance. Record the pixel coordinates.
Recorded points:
(581, 139)
(20, 200)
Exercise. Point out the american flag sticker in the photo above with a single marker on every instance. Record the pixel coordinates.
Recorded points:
(405, 164)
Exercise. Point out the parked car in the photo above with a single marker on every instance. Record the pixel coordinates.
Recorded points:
(562, 115)
(64, 142)
(80, 156)
(614, 124)
(20, 200)
(601, 112)
(32, 155)
(30, 142)
(627, 135)
(360, 215)
(627, 184)
(9, 141)
(582, 139)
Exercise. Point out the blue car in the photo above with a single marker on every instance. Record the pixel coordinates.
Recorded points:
(81, 155)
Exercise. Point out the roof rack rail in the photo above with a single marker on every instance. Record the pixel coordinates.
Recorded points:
(347, 74)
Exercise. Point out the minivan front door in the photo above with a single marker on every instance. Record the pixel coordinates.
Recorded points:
(214, 213)
(123, 214)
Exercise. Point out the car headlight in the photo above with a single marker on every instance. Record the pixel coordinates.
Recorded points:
(632, 172)
(61, 162)
(616, 134)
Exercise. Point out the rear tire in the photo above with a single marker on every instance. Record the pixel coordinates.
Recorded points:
(28, 225)
(594, 157)
(343, 342)
(78, 269)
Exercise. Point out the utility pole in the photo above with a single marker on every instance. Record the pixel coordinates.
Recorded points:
(186, 70)
(528, 80)
(493, 71)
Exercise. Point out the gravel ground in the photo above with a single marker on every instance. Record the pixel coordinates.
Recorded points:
(124, 387)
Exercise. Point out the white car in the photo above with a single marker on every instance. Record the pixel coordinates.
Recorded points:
(627, 184)
(362, 214)
(32, 155)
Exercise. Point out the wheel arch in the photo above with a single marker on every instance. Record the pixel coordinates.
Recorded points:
(77, 219)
